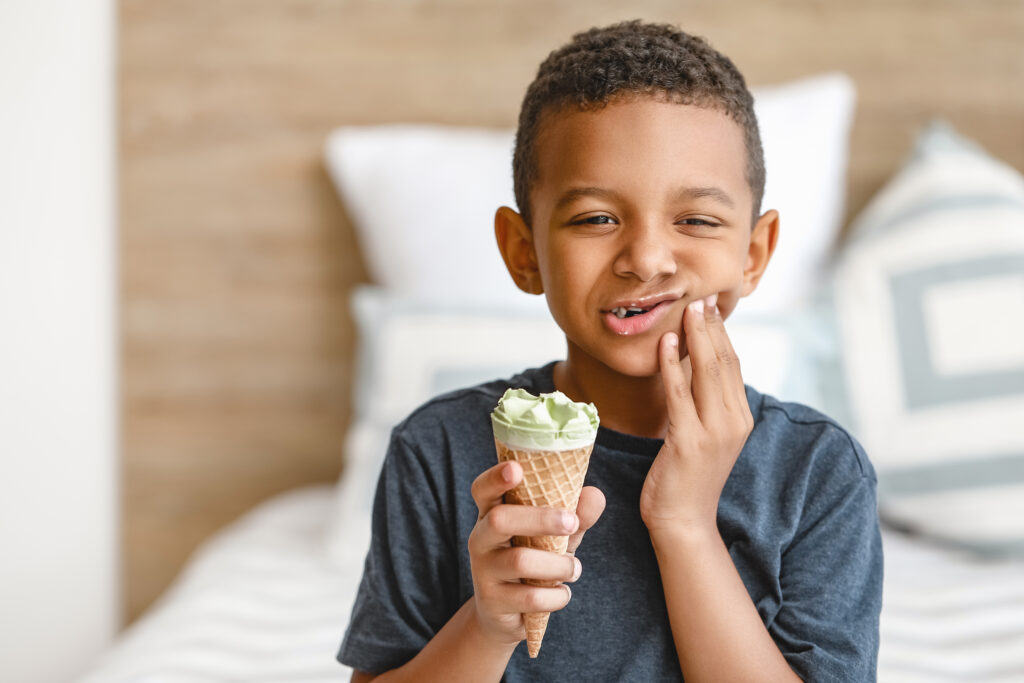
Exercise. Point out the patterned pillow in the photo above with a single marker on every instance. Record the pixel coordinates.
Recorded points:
(930, 302)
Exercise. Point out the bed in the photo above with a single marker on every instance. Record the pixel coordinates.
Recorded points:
(843, 328)
(263, 601)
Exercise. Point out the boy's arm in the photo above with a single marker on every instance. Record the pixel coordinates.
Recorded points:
(459, 652)
(718, 634)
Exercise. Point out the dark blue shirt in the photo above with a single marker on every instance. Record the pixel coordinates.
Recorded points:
(798, 515)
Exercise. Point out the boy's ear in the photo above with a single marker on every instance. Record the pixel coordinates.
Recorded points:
(515, 240)
(763, 238)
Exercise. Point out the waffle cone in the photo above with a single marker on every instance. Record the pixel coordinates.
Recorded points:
(551, 479)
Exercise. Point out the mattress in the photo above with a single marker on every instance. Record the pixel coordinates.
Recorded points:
(261, 601)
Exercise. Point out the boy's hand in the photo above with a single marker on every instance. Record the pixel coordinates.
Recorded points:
(709, 421)
(499, 596)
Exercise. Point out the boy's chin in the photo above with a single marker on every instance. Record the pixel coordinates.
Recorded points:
(636, 365)
(636, 361)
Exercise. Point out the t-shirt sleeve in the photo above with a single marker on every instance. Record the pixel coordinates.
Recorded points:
(831, 581)
(405, 595)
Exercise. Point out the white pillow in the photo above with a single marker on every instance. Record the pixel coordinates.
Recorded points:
(930, 300)
(422, 200)
(423, 197)
(805, 132)
(411, 350)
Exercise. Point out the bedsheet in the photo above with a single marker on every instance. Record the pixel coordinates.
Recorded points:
(261, 601)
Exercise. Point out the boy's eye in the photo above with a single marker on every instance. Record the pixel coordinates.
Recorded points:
(594, 220)
(700, 222)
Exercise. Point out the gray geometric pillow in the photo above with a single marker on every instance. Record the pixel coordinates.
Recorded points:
(930, 302)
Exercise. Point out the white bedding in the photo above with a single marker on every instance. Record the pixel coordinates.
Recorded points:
(261, 601)
(257, 602)
(947, 616)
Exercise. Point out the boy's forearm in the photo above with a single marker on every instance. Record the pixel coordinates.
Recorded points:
(718, 633)
(459, 652)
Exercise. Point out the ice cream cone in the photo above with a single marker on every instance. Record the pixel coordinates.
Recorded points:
(551, 437)
(551, 478)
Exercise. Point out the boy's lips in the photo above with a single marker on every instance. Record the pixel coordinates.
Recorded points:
(637, 316)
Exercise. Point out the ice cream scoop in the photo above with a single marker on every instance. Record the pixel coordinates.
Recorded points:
(548, 422)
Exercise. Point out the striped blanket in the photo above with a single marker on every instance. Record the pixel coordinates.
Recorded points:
(261, 601)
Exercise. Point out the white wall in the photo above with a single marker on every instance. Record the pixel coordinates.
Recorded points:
(58, 362)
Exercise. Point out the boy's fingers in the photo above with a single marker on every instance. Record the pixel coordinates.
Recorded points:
(513, 564)
(524, 598)
(674, 377)
(502, 522)
(728, 361)
(706, 381)
(489, 487)
(589, 509)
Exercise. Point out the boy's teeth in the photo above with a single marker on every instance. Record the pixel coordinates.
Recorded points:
(622, 312)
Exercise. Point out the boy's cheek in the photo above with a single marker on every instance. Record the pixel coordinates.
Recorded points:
(728, 301)
(726, 306)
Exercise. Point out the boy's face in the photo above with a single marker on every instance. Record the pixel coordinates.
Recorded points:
(641, 205)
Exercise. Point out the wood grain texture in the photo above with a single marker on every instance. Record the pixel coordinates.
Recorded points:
(237, 258)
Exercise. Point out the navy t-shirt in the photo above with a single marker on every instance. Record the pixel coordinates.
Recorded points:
(798, 515)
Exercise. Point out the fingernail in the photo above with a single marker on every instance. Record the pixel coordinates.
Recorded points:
(697, 306)
(672, 340)
(506, 473)
(577, 569)
(711, 301)
(569, 521)
(568, 589)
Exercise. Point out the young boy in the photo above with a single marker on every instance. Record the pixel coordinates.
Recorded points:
(738, 536)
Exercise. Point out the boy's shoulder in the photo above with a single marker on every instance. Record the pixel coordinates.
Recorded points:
(787, 428)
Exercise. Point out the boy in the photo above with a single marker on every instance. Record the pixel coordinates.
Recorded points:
(738, 537)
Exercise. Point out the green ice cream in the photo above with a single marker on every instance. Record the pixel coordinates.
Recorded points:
(550, 422)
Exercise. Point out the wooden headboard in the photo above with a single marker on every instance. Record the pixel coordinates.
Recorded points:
(237, 257)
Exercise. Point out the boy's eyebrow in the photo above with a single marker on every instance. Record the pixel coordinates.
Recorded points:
(681, 194)
(715, 193)
(579, 192)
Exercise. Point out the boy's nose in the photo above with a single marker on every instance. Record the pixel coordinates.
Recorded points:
(644, 257)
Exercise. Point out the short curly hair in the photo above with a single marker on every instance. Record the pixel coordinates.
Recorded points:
(634, 58)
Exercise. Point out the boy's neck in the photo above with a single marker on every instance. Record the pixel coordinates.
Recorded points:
(632, 405)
